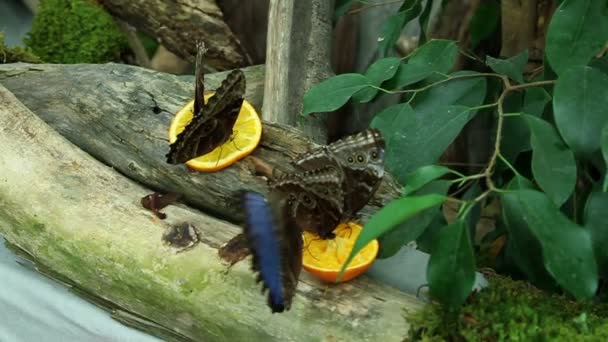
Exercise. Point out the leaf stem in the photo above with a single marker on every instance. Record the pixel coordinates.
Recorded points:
(504, 160)
(489, 171)
(491, 166)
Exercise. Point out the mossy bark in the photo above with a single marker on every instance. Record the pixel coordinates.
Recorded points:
(83, 220)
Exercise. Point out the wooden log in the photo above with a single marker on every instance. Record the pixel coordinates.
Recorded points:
(177, 25)
(120, 115)
(298, 52)
(83, 220)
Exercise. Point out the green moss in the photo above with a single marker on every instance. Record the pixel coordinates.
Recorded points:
(75, 31)
(16, 54)
(512, 310)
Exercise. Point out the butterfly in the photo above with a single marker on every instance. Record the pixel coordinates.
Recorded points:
(212, 123)
(315, 198)
(360, 157)
(276, 246)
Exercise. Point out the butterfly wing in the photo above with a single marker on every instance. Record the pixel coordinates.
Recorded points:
(199, 79)
(213, 126)
(361, 156)
(315, 159)
(315, 199)
(276, 248)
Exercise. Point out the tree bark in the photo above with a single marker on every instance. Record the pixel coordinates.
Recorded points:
(178, 25)
(120, 115)
(298, 54)
(83, 220)
(518, 26)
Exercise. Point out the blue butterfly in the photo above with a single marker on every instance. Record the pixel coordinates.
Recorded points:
(276, 247)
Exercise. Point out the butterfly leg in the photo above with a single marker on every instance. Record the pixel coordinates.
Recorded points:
(350, 229)
(220, 156)
(232, 139)
(307, 246)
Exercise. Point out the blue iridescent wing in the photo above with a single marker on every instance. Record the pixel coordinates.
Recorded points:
(268, 227)
(264, 246)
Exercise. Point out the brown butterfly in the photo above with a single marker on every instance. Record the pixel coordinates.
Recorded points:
(212, 123)
(315, 198)
(361, 157)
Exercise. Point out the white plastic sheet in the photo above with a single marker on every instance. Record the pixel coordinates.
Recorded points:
(35, 308)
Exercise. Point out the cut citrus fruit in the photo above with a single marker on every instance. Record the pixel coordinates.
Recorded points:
(324, 258)
(246, 136)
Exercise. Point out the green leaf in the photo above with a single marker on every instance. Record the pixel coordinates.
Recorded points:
(421, 176)
(567, 248)
(451, 267)
(528, 254)
(333, 93)
(435, 57)
(410, 230)
(515, 131)
(468, 91)
(406, 132)
(474, 211)
(424, 21)
(380, 71)
(389, 217)
(341, 7)
(553, 164)
(512, 67)
(578, 30)
(516, 137)
(484, 21)
(535, 101)
(600, 63)
(395, 23)
(596, 222)
(605, 153)
(427, 240)
(580, 105)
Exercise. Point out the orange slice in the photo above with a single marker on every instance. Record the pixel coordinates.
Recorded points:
(324, 258)
(247, 133)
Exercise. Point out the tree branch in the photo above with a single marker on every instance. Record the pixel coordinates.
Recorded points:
(120, 115)
(177, 25)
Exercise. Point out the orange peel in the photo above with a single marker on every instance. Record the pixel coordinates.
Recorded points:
(324, 258)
